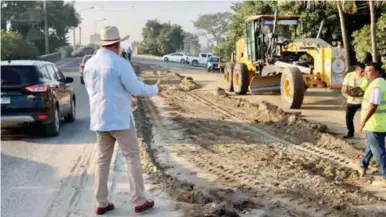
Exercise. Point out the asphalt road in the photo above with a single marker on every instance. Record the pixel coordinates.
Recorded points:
(158, 61)
(37, 173)
(53, 177)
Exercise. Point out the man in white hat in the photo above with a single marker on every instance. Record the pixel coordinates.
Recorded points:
(110, 82)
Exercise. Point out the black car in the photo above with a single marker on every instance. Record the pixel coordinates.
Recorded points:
(35, 93)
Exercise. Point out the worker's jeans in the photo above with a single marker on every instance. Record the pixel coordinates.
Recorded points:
(351, 109)
(375, 145)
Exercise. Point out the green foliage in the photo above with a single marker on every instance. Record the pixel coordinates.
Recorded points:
(311, 15)
(14, 47)
(213, 26)
(191, 43)
(26, 18)
(362, 40)
(161, 38)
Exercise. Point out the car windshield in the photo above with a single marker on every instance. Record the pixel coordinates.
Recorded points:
(17, 75)
(214, 59)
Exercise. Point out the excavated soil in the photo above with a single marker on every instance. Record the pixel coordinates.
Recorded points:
(251, 170)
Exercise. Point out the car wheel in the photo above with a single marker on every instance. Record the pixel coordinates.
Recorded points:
(195, 63)
(52, 129)
(71, 116)
(81, 80)
(166, 59)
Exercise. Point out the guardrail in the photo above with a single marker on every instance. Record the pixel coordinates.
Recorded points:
(52, 57)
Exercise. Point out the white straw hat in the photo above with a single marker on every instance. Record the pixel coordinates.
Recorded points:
(109, 35)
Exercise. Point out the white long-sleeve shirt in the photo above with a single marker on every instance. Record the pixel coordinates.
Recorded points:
(110, 82)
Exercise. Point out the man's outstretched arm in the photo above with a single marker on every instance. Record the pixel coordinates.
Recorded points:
(134, 86)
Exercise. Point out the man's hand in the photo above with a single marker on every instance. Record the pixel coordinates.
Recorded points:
(158, 84)
(361, 126)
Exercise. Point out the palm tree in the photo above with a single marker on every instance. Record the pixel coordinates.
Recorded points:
(373, 27)
(373, 30)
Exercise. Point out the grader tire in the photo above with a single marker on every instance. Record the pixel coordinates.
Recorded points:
(292, 88)
(228, 76)
(240, 79)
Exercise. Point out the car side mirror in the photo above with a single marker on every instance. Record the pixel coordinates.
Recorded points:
(69, 80)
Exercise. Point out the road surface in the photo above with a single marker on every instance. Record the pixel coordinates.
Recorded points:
(53, 177)
(38, 173)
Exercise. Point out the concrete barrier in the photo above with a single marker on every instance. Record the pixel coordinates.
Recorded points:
(52, 57)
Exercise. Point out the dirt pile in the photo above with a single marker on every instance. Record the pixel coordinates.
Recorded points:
(195, 202)
(288, 125)
(260, 172)
(188, 84)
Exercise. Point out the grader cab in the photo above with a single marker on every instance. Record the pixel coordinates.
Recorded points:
(270, 59)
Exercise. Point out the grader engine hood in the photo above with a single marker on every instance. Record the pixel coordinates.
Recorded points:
(334, 67)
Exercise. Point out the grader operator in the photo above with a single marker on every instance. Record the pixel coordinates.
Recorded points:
(268, 60)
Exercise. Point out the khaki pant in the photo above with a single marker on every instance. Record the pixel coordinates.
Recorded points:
(128, 142)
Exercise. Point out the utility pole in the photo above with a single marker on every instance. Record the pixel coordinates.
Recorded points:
(46, 27)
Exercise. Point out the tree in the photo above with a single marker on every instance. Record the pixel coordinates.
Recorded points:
(15, 47)
(362, 40)
(372, 6)
(26, 18)
(373, 31)
(161, 38)
(236, 29)
(171, 39)
(191, 43)
(135, 44)
(343, 7)
(213, 26)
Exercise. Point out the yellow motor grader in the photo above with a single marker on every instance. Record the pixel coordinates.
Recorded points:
(269, 60)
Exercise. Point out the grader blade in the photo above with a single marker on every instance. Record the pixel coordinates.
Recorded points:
(264, 84)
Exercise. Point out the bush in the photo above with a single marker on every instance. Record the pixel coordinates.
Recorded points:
(14, 47)
(362, 41)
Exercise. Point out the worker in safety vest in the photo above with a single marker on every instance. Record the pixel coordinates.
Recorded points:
(373, 121)
(352, 80)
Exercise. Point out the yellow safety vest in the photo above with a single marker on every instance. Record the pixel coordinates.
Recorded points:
(362, 82)
(377, 122)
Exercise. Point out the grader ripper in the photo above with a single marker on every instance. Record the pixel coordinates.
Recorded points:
(268, 61)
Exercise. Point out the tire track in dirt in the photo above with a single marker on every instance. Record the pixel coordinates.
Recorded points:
(263, 192)
(305, 147)
(71, 189)
(208, 160)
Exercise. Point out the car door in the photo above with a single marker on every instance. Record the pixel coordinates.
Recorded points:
(203, 59)
(172, 57)
(60, 90)
(178, 57)
(68, 90)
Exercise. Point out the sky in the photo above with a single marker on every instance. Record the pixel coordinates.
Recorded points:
(130, 16)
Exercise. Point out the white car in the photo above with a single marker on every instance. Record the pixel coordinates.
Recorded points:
(178, 57)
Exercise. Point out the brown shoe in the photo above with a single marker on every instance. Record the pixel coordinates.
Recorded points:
(361, 171)
(146, 206)
(381, 183)
(103, 210)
